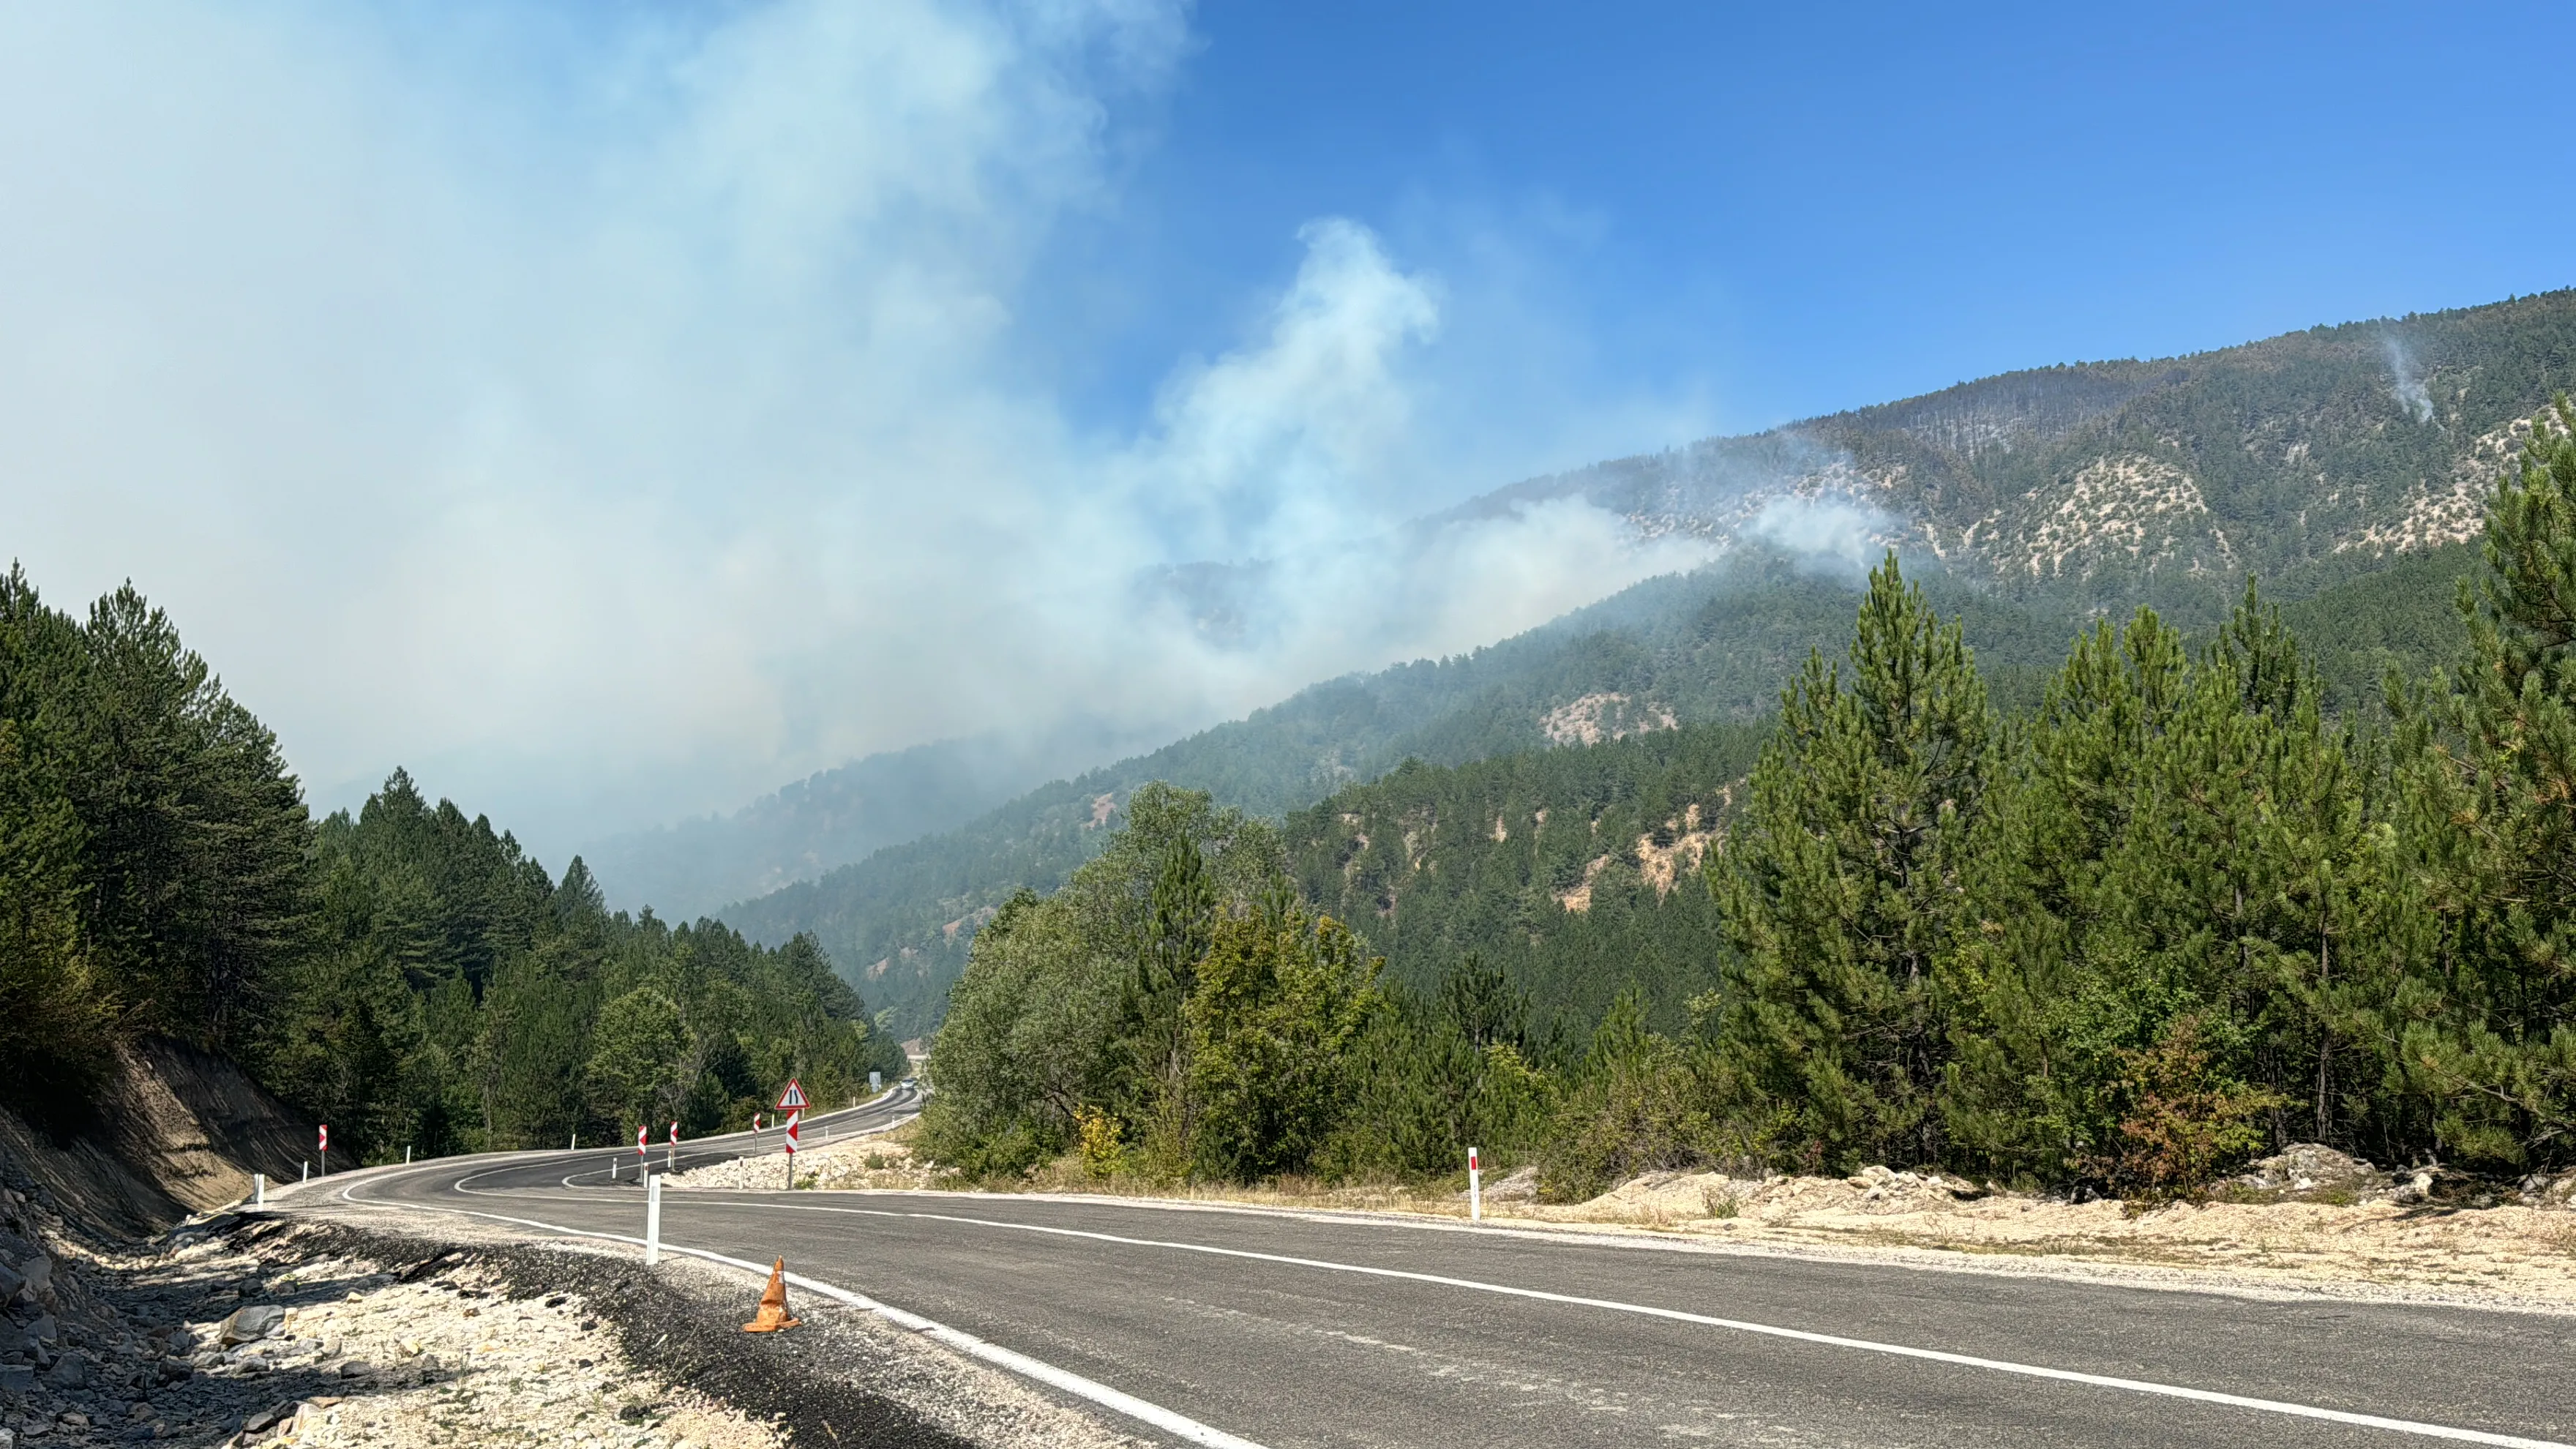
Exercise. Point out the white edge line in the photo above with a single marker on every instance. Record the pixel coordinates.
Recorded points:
(1180, 1426)
(2141, 1386)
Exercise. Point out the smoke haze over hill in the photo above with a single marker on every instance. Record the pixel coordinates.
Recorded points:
(611, 420)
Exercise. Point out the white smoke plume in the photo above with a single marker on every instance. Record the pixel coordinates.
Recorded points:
(614, 412)
(1832, 529)
(2405, 380)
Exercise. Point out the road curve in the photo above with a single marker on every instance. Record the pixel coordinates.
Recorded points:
(1294, 1330)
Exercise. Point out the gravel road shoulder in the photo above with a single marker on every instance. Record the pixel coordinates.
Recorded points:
(414, 1330)
(845, 1378)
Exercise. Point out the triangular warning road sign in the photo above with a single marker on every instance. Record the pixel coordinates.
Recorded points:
(793, 1098)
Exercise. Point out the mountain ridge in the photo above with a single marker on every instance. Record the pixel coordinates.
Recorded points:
(2030, 502)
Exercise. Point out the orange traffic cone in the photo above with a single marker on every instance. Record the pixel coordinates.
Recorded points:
(773, 1304)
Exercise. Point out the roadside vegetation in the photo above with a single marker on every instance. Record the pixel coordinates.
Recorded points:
(406, 974)
(2180, 909)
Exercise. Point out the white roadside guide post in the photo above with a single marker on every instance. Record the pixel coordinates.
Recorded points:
(673, 1161)
(642, 1166)
(652, 1218)
(326, 1149)
(259, 1189)
(1475, 1188)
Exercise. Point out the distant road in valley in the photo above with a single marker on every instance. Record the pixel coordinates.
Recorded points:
(1297, 1330)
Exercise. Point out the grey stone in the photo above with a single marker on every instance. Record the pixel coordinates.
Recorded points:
(38, 1271)
(2305, 1167)
(2543, 1190)
(68, 1372)
(10, 1282)
(43, 1329)
(17, 1378)
(352, 1368)
(251, 1324)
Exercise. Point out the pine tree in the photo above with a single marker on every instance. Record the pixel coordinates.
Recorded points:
(2175, 854)
(1839, 886)
(2023, 1095)
(2485, 1024)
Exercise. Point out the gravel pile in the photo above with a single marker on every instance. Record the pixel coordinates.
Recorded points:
(877, 1161)
(1668, 1196)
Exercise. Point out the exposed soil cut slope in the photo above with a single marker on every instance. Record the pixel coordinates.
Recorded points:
(175, 1131)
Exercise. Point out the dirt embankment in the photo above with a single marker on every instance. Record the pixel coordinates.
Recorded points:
(176, 1131)
(2308, 1219)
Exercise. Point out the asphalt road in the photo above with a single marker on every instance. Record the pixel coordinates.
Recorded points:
(1392, 1334)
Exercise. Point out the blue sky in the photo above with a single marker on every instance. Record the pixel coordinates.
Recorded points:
(1804, 208)
(613, 412)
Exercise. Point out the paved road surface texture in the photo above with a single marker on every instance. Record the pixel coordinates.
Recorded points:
(1292, 1330)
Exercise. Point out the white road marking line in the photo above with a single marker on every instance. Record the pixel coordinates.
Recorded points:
(2005, 1366)
(1180, 1426)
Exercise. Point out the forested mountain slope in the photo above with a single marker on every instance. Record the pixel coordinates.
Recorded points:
(1574, 872)
(1709, 646)
(1707, 651)
(2302, 458)
(2027, 504)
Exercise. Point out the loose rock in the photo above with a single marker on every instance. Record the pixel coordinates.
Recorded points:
(249, 1325)
(2308, 1168)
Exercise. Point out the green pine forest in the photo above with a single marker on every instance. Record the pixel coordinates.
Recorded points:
(406, 974)
(2116, 925)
